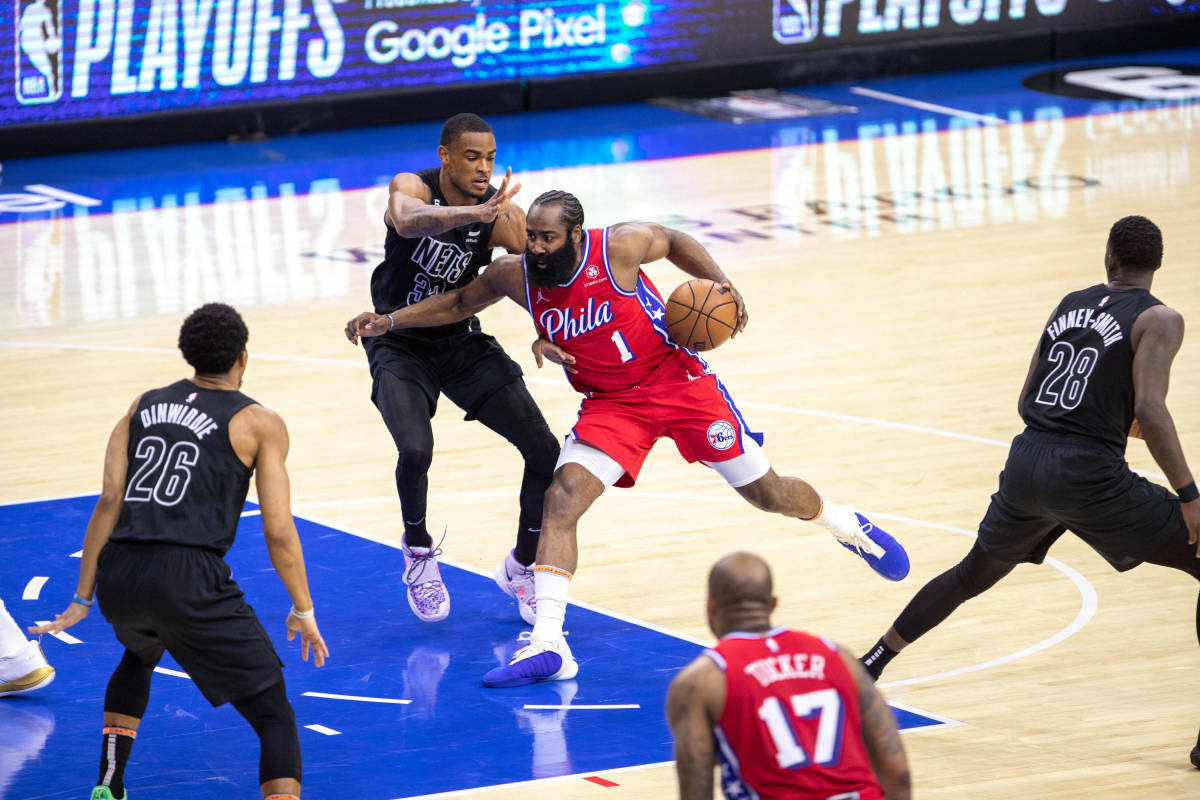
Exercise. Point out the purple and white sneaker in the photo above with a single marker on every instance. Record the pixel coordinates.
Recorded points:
(538, 661)
(516, 580)
(427, 595)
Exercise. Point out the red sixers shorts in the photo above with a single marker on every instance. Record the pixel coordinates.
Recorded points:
(694, 410)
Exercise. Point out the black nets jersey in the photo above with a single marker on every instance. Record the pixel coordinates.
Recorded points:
(1082, 384)
(185, 485)
(413, 269)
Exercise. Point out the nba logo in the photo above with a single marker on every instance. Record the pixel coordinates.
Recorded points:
(39, 39)
(795, 21)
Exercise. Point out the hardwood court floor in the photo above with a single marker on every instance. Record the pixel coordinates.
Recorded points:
(896, 285)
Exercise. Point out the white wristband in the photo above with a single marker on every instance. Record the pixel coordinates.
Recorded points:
(301, 614)
(391, 323)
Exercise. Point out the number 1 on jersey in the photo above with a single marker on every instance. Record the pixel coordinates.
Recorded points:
(826, 706)
(622, 347)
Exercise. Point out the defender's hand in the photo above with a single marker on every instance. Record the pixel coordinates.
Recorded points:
(72, 614)
(309, 636)
(544, 348)
(367, 324)
(497, 204)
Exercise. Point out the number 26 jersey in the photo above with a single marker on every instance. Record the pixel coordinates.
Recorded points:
(185, 484)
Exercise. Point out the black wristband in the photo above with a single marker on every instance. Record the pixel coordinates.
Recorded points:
(1188, 493)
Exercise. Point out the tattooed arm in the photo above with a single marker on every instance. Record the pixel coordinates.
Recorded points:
(411, 214)
(695, 701)
(880, 734)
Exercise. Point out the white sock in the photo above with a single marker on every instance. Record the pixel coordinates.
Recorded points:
(12, 639)
(838, 520)
(550, 585)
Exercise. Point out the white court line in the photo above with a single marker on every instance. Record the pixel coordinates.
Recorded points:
(921, 104)
(76, 554)
(359, 363)
(1089, 602)
(62, 194)
(569, 707)
(324, 730)
(33, 589)
(175, 672)
(356, 697)
(62, 636)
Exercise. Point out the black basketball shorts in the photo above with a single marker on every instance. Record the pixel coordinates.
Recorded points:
(1052, 483)
(184, 600)
(469, 367)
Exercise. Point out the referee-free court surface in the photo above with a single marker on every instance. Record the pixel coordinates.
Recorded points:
(898, 260)
(399, 712)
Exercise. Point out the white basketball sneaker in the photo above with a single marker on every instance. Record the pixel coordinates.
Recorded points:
(25, 671)
(427, 595)
(516, 580)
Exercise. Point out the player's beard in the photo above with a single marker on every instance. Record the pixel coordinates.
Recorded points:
(554, 268)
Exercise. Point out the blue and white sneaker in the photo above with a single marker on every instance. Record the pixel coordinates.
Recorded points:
(883, 553)
(538, 661)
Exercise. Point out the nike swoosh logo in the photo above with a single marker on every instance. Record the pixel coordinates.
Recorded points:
(694, 377)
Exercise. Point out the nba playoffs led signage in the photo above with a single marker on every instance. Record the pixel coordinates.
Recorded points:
(81, 59)
(75, 59)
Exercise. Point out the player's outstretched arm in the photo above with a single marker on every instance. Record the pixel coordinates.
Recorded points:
(637, 243)
(695, 700)
(501, 279)
(100, 526)
(509, 230)
(279, 529)
(1156, 337)
(411, 214)
(880, 734)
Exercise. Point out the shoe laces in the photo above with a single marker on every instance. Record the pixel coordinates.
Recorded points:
(417, 561)
(860, 540)
(530, 646)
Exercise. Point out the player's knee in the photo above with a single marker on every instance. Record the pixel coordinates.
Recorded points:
(541, 454)
(273, 719)
(765, 494)
(413, 459)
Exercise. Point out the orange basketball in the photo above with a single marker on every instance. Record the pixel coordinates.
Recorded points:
(701, 315)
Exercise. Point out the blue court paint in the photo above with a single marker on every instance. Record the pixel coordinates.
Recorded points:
(202, 173)
(453, 735)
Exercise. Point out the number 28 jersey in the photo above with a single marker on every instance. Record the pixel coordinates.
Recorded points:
(790, 729)
(1082, 384)
(185, 484)
(618, 338)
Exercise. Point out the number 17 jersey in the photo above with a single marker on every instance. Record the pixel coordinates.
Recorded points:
(790, 729)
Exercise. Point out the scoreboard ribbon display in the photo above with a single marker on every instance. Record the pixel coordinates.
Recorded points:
(73, 60)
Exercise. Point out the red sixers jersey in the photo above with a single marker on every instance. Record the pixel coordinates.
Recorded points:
(790, 728)
(618, 338)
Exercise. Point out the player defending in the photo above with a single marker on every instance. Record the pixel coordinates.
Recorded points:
(600, 316)
(442, 224)
(1103, 361)
(176, 471)
(790, 715)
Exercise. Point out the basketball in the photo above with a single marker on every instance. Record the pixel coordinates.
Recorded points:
(701, 314)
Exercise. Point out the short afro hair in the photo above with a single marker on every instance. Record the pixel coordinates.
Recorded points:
(1136, 243)
(459, 124)
(212, 337)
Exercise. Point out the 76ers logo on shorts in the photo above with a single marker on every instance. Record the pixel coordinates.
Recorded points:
(721, 435)
(39, 62)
